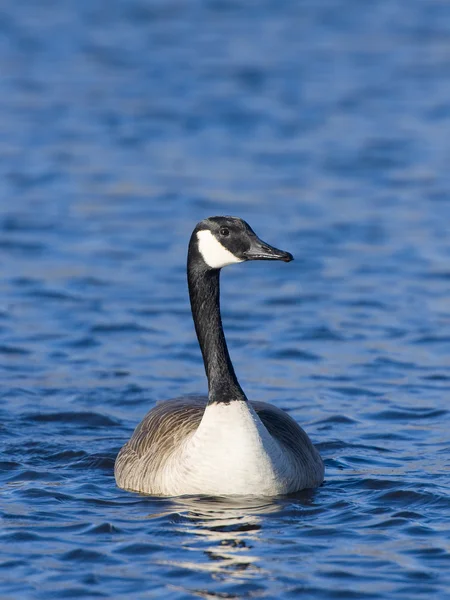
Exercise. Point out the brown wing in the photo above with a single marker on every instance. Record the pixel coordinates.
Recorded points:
(288, 432)
(157, 436)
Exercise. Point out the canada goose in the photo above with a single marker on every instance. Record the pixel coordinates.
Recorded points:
(221, 444)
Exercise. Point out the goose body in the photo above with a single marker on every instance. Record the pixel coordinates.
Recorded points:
(220, 444)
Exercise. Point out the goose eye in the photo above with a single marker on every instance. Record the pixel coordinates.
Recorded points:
(224, 231)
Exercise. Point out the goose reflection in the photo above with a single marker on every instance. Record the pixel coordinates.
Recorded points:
(225, 531)
(228, 533)
(230, 529)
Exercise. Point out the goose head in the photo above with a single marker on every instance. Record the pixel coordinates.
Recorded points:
(222, 241)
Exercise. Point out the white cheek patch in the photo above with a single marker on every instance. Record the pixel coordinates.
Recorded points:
(214, 254)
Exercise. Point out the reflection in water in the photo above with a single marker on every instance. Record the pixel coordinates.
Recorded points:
(226, 530)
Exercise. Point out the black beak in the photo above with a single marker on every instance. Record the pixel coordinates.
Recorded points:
(259, 250)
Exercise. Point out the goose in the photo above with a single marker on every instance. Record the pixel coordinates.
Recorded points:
(221, 444)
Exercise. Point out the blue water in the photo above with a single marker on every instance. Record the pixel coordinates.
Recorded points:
(326, 125)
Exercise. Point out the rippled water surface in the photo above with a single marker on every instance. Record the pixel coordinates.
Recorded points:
(324, 124)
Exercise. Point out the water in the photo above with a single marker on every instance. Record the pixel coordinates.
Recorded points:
(326, 126)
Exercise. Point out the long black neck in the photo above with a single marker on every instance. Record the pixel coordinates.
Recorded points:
(204, 293)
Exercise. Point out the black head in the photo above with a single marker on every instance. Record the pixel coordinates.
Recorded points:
(222, 241)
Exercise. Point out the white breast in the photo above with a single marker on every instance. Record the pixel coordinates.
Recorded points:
(231, 452)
